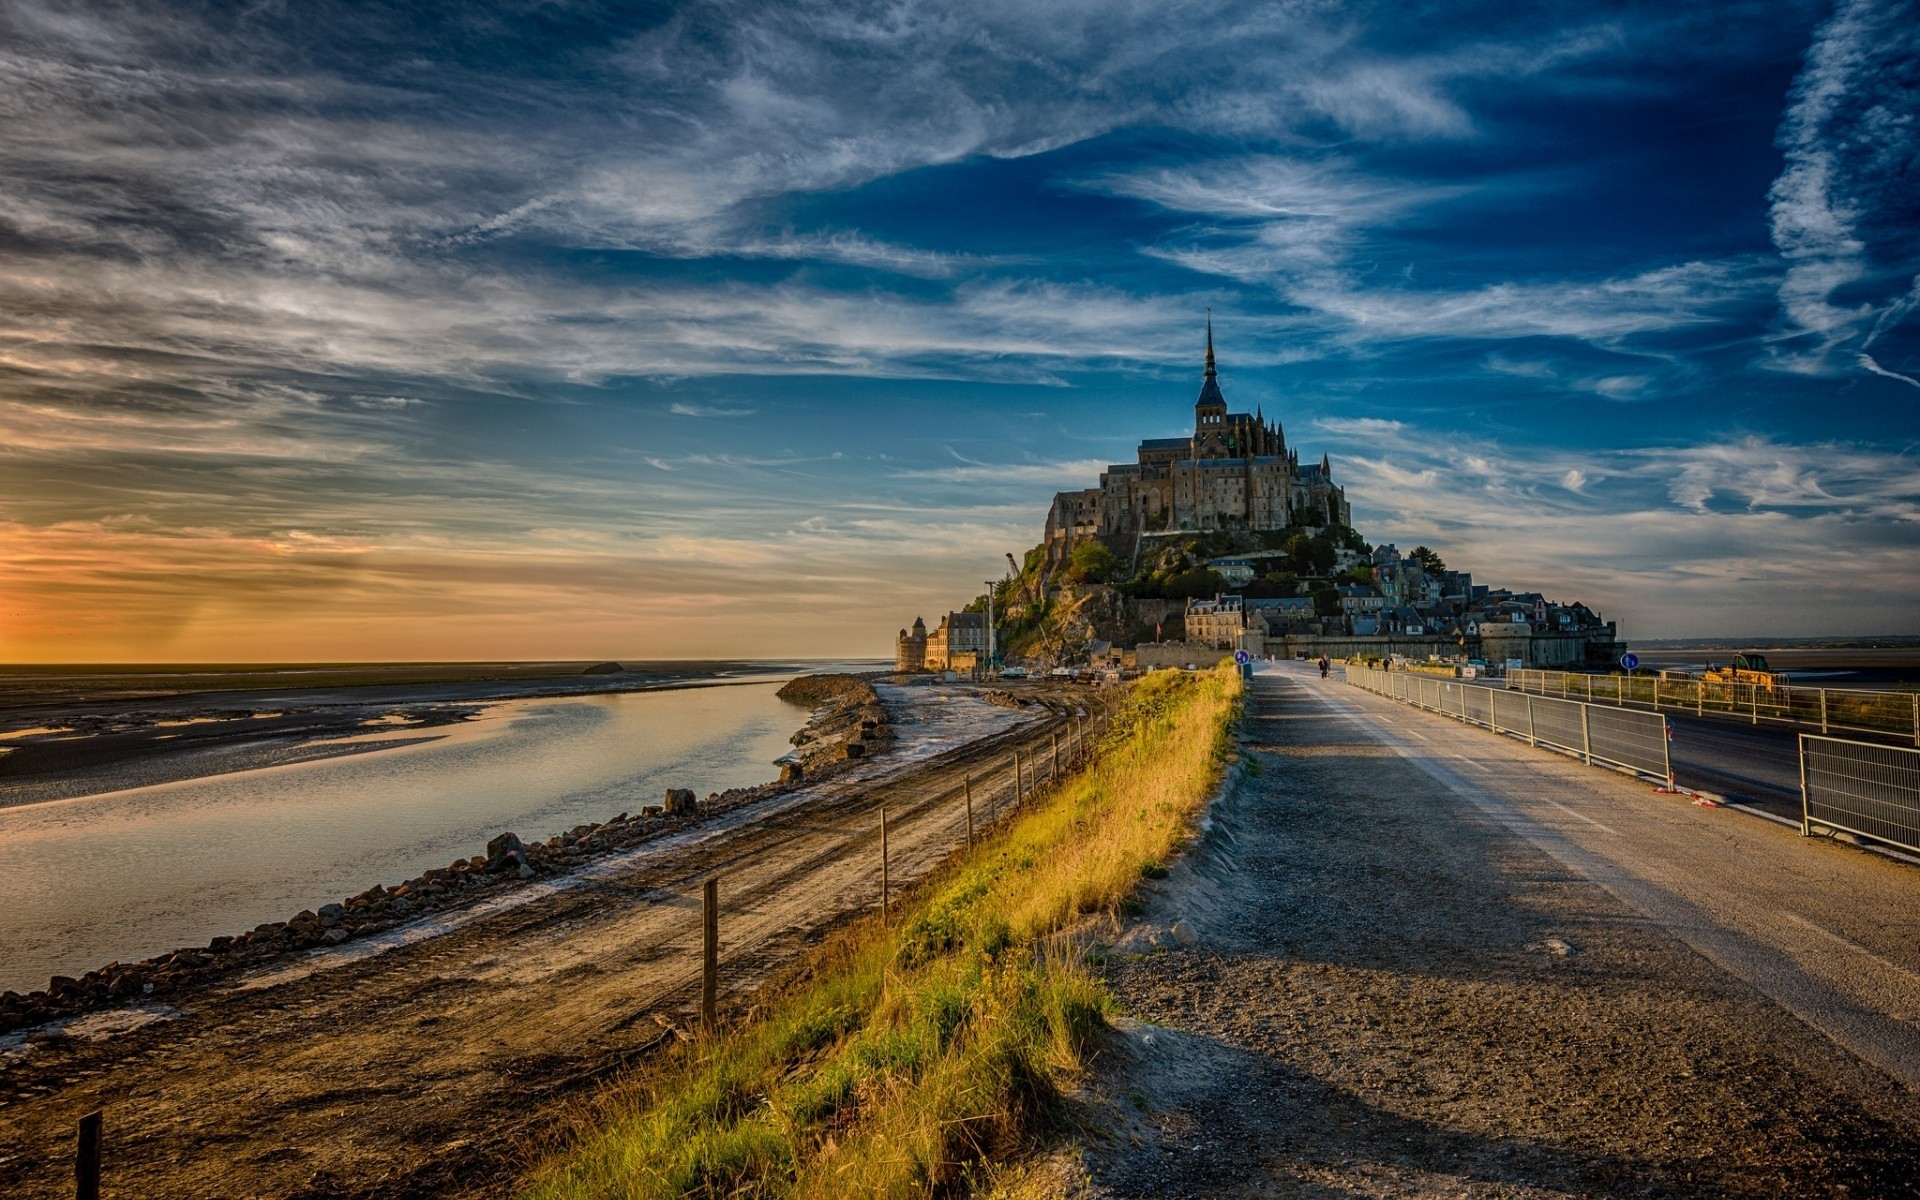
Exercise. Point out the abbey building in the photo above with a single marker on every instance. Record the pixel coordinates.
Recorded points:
(1235, 472)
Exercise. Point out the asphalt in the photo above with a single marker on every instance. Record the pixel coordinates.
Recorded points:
(1754, 765)
(1826, 931)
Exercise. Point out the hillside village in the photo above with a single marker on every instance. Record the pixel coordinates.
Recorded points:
(1225, 541)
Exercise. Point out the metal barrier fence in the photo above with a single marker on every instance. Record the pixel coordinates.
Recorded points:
(1860, 787)
(1623, 738)
(1825, 709)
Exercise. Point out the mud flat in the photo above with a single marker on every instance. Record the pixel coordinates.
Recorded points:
(425, 1057)
(81, 732)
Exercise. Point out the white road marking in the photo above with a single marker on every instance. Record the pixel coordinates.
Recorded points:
(1849, 944)
(1582, 816)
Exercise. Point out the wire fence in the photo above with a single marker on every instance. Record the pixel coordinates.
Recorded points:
(1860, 787)
(1622, 738)
(1602, 736)
(1853, 710)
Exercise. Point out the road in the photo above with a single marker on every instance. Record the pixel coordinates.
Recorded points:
(1755, 765)
(429, 1069)
(1424, 960)
(1829, 932)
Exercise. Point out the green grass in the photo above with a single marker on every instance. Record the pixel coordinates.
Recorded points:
(930, 1055)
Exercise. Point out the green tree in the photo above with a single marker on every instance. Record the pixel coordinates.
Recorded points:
(1309, 555)
(1327, 603)
(1091, 562)
(1428, 560)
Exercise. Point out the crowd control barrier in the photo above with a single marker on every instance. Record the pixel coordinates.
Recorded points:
(1826, 709)
(1602, 735)
(1862, 788)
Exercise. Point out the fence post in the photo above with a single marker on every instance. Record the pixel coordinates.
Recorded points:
(1699, 697)
(1056, 758)
(1019, 777)
(86, 1159)
(1753, 701)
(710, 953)
(1806, 824)
(967, 784)
(886, 900)
(1586, 735)
(1823, 710)
(1916, 718)
(1531, 739)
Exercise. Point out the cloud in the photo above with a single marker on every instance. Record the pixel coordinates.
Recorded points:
(1658, 537)
(1849, 138)
(685, 409)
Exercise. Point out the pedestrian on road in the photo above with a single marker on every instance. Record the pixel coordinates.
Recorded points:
(1325, 666)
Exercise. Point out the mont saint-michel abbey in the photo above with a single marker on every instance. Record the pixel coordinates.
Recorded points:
(1235, 472)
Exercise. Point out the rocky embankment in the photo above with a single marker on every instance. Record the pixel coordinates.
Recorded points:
(849, 723)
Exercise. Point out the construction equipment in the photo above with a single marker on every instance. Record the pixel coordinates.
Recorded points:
(1748, 667)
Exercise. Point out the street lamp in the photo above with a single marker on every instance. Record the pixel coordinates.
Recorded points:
(990, 648)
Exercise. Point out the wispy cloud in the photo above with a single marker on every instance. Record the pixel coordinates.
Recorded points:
(1849, 137)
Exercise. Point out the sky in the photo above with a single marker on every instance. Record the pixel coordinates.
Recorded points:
(557, 330)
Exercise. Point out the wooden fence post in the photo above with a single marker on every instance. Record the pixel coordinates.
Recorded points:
(86, 1159)
(968, 785)
(710, 954)
(886, 899)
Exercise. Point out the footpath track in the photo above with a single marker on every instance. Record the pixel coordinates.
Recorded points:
(436, 1067)
(1426, 960)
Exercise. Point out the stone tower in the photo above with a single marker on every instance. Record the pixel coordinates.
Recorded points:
(910, 649)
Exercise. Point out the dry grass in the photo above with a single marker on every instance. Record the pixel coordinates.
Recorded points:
(922, 1057)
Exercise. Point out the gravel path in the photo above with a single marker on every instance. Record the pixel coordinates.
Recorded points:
(1416, 959)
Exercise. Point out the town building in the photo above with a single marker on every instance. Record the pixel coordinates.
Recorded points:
(957, 644)
(1234, 472)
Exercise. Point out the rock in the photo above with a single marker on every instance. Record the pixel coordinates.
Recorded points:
(792, 772)
(651, 810)
(605, 668)
(1184, 934)
(505, 851)
(333, 937)
(855, 750)
(331, 914)
(402, 907)
(681, 802)
(526, 871)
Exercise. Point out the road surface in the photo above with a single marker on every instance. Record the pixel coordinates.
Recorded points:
(1420, 959)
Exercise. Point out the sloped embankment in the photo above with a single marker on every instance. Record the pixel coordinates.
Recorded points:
(929, 1054)
(849, 722)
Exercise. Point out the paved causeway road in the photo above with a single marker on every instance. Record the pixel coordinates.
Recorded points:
(1829, 932)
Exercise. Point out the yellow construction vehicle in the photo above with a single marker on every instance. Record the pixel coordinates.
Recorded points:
(1748, 667)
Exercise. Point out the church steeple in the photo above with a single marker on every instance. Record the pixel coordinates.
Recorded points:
(1211, 403)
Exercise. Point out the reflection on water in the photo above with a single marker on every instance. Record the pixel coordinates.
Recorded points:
(128, 874)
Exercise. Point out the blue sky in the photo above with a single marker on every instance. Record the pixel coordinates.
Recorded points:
(362, 331)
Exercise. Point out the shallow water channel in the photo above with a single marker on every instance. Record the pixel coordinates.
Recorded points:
(128, 874)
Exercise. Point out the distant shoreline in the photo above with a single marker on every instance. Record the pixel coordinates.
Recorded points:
(59, 746)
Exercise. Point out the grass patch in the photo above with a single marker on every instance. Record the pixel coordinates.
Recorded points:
(921, 1057)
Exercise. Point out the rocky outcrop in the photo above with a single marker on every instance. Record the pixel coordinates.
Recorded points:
(605, 668)
(849, 723)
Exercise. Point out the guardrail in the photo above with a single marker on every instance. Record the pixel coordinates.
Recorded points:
(1622, 738)
(1827, 709)
(1863, 788)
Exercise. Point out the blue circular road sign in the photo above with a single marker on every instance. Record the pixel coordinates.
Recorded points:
(1629, 661)
(1242, 657)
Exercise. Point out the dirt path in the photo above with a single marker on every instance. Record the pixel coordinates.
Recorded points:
(425, 1069)
(1422, 960)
